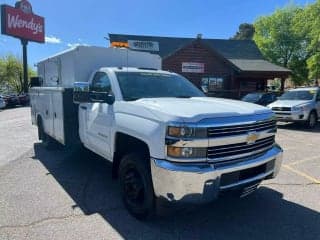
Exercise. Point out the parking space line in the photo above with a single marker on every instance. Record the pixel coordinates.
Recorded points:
(302, 174)
(304, 160)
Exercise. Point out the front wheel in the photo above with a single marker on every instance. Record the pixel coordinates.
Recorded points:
(312, 120)
(136, 185)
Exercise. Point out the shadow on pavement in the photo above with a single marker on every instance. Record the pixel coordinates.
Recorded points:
(263, 215)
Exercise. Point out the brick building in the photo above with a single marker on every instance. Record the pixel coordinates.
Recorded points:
(227, 68)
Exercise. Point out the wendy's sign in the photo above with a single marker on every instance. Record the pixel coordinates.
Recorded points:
(20, 22)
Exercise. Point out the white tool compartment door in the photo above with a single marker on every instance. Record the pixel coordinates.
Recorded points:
(58, 126)
(44, 103)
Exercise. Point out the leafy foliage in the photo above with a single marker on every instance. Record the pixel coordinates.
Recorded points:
(282, 42)
(246, 32)
(290, 37)
(310, 24)
(11, 73)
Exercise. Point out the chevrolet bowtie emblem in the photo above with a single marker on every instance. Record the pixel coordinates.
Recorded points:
(252, 137)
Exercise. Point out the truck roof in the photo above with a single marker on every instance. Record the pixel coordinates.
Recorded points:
(134, 69)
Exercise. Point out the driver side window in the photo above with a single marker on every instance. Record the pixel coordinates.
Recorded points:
(318, 96)
(101, 83)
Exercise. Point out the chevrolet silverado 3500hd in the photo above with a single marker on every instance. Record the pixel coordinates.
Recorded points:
(166, 140)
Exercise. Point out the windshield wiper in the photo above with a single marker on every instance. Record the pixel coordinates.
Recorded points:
(132, 98)
(183, 96)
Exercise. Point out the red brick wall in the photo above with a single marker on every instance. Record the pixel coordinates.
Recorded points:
(196, 52)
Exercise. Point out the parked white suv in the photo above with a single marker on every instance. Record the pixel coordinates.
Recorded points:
(298, 105)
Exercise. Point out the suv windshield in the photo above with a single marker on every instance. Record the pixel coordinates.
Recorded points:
(252, 97)
(136, 85)
(298, 95)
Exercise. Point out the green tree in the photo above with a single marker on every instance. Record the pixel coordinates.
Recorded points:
(309, 23)
(282, 42)
(246, 32)
(11, 73)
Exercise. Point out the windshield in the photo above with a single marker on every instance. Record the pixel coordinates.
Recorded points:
(252, 97)
(136, 85)
(298, 95)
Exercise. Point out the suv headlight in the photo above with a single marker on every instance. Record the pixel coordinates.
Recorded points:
(186, 132)
(299, 108)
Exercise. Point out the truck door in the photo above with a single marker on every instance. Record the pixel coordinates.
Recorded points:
(100, 117)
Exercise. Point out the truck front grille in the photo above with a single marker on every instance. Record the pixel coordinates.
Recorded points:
(284, 109)
(241, 129)
(224, 151)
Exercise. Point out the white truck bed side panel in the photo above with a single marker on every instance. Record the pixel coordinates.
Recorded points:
(47, 102)
(58, 121)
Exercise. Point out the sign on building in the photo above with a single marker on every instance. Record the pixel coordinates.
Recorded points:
(20, 22)
(192, 67)
(143, 45)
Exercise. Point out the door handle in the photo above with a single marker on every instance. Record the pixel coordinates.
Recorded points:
(83, 107)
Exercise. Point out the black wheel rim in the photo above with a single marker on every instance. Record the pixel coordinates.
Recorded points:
(313, 120)
(133, 188)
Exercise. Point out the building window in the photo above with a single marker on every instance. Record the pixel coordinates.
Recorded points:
(212, 83)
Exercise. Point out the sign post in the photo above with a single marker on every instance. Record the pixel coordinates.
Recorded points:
(20, 22)
(25, 64)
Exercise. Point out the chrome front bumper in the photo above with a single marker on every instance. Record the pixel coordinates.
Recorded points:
(201, 182)
(292, 116)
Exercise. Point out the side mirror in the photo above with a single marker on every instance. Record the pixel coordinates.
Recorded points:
(81, 92)
(110, 98)
(35, 82)
(102, 97)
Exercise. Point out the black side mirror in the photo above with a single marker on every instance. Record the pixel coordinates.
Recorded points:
(81, 92)
(102, 97)
(110, 98)
(35, 82)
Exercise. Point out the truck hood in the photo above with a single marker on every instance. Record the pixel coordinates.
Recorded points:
(288, 103)
(198, 108)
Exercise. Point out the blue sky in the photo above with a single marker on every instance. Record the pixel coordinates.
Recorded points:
(87, 22)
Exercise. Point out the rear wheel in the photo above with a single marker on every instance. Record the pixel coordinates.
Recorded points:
(312, 120)
(47, 141)
(136, 185)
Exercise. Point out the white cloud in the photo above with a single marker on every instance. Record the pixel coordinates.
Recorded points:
(73, 45)
(52, 39)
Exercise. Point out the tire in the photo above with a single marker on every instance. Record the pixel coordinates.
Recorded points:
(47, 141)
(312, 120)
(136, 185)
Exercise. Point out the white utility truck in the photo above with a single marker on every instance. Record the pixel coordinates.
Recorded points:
(167, 141)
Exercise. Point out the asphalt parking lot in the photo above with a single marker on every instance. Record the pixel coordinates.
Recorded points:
(54, 195)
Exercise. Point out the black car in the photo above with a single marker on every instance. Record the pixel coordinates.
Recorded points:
(260, 98)
(11, 100)
(24, 99)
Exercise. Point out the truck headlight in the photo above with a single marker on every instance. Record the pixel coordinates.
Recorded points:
(186, 152)
(186, 132)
